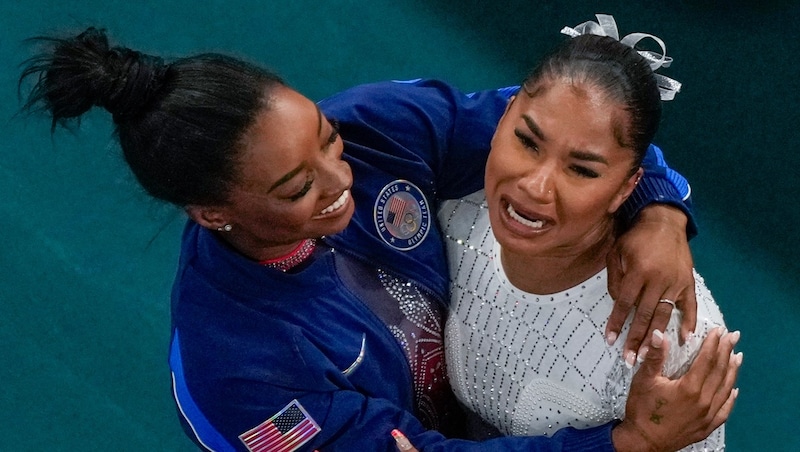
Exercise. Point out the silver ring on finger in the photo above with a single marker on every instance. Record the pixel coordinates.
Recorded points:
(667, 301)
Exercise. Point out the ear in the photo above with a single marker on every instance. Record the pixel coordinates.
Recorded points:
(508, 106)
(208, 217)
(625, 190)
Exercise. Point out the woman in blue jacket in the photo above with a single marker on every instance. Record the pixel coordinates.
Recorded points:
(307, 307)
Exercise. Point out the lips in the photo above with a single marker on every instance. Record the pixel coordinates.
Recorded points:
(530, 220)
(336, 205)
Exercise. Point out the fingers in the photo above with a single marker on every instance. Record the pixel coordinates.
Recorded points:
(706, 359)
(720, 382)
(402, 442)
(623, 304)
(615, 272)
(651, 314)
(687, 303)
(654, 356)
(725, 411)
(725, 394)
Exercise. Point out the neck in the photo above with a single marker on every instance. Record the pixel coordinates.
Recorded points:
(548, 274)
(257, 250)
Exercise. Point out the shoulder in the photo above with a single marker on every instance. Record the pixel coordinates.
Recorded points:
(375, 95)
(709, 313)
(458, 217)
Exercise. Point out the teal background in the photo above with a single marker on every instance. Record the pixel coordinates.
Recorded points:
(87, 259)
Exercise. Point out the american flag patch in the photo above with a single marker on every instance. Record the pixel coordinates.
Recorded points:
(286, 431)
(397, 207)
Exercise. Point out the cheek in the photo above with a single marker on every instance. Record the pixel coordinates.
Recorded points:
(589, 206)
(270, 219)
(502, 159)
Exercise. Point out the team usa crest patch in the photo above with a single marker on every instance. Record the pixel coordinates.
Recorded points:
(286, 431)
(402, 215)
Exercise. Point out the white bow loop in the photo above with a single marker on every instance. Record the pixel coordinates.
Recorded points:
(607, 26)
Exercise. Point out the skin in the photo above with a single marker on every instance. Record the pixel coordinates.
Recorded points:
(267, 222)
(664, 271)
(291, 188)
(293, 184)
(557, 161)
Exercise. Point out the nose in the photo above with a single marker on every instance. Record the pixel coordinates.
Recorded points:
(539, 183)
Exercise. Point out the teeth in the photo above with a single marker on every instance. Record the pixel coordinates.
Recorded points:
(531, 224)
(336, 204)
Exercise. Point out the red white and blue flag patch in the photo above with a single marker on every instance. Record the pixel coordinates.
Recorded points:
(402, 218)
(286, 431)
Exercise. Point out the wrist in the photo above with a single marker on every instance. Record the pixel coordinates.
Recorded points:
(628, 437)
(664, 214)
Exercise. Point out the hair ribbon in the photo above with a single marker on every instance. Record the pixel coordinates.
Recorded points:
(607, 26)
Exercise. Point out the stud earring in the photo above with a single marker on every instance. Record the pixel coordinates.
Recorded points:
(226, 228)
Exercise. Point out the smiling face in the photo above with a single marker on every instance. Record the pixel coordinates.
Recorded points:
(293, 183)
(557, 170)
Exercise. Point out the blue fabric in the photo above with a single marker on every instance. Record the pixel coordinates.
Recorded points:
(248, 339)
(660, 184)
(191, 416)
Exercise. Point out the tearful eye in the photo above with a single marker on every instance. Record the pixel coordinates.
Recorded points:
(582, 171)
(526, 140)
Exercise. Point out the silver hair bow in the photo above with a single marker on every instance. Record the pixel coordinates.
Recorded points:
(607, 26)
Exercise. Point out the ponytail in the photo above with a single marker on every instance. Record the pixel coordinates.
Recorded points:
(180, 125)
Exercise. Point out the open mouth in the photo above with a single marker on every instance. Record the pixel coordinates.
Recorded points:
(336, 204)
(529, 222)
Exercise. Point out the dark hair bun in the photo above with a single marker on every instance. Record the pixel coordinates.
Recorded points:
(83, 71)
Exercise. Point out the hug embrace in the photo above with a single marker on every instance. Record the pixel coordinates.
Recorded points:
(328, 244)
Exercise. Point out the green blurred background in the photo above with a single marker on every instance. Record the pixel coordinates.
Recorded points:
(88, 259)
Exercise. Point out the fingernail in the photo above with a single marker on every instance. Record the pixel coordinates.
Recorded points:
(630, 358)
(734, 337)
(401, 440)
(611, 338)
(739, 357)
(735, 392)
(642, 353)
(658, 339)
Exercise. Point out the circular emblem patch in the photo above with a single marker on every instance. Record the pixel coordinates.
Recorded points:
(401, 215)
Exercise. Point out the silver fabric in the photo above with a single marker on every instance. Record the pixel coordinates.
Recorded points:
(531, 364)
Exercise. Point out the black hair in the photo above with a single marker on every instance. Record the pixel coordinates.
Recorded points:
(616, 69)
(180, 125)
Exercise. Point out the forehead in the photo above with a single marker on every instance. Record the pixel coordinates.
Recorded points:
(573, 109)
(282, 137)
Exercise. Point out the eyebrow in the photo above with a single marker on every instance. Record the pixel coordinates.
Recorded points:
(577, 154)
(588, 156)
(534, 127)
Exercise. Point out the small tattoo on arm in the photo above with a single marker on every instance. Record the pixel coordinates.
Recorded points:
(656, 418)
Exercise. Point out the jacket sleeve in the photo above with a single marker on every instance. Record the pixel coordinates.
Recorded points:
(660, 184)
(422, 121)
